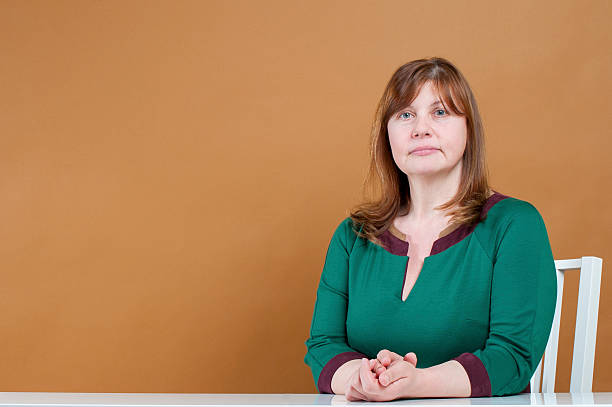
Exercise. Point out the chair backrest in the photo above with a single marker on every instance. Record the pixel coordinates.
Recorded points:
(586, 329)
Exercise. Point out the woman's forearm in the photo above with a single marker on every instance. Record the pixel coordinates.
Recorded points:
(447, 379)
(343, 374)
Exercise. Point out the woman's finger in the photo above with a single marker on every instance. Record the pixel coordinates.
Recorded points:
(386, 357)
(377, 367)
(396, 372)
(369, 384)
(411, 358)
(353, 388)
(353, 395)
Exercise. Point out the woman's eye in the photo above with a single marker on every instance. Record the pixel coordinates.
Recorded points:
(441, 110)
(402, 116)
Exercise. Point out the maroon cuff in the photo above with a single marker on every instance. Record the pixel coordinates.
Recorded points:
(479, 378)
(325, 378)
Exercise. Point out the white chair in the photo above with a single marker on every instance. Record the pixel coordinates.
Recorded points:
(586, 329)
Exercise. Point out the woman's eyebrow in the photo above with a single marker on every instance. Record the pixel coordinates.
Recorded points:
(437, 102)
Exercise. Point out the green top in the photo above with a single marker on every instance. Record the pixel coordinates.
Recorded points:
(485, 297)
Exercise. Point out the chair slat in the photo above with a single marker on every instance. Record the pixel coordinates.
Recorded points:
(551, 352)
(585, 333)
(586, 325)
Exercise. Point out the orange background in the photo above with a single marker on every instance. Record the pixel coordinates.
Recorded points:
(171, 173)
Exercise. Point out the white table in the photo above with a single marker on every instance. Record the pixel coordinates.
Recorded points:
(260, 400)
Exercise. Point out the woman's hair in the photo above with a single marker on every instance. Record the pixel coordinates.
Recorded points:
(388, 184)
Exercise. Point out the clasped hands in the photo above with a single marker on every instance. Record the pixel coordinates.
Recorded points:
(388, 377)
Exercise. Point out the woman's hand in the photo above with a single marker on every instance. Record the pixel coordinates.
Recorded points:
(386, 358)
(354, 389)
(364, 385)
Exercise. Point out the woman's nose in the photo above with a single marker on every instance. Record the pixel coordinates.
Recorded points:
(421, 128)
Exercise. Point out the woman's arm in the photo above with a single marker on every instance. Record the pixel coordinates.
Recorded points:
(523, 298)
(448, 379)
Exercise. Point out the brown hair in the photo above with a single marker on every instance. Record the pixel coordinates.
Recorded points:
(393, 195)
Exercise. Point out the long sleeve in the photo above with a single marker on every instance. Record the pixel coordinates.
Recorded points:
(327, 345)
(523, 299)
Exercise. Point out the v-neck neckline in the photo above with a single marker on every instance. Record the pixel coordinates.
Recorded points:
(394, 241)
(401, 236)
(451, 233)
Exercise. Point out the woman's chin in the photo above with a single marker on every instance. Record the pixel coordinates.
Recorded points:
(425, 172)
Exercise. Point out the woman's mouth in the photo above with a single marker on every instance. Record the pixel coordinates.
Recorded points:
(425, 152)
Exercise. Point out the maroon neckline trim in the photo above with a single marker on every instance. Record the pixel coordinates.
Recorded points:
(399, 247)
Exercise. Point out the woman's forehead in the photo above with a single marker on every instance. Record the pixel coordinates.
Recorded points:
(429, 94)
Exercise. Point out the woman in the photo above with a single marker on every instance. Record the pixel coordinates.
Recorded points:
(439, 286)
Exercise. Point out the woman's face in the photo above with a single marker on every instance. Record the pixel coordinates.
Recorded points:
(425, 123)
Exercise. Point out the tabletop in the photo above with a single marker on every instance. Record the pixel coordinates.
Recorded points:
(218, 399)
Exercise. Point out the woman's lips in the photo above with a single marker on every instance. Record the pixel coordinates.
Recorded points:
(425, 152)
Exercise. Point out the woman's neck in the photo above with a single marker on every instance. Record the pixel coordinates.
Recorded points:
(430, 191)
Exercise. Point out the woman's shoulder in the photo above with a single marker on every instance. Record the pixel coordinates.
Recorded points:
(509, 213)
(504, 208)
(346, 229)
(345, 234)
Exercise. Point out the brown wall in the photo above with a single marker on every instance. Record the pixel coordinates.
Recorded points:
(171, 172)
